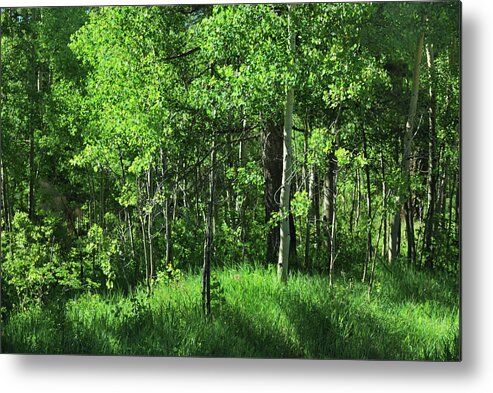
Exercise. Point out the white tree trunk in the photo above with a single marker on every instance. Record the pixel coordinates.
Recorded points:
(287, 169)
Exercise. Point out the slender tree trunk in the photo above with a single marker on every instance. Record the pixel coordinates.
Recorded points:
(142, 217)
(187, 202)
(149, 240)
(373, 264)
(230, 216)
(6, 204)
(150, 221)
(167, 213)
(101, 198)
(34, 117)
(440, 203)
(32, 169)
(241, 203)
(293, 256)
(197, 193)
(445, 195)
(128, 221)
(287, 170)
(411, 243)
(127, 217)
(167, 220)
(369, 248)
(395, 223)
(384, 207)
(311, 217)
(32, 172)
(285, 233)
(333, 223)
(358, 203)
(432, 163)
(395, 232)
(307, 178)
(317, 241)
(353, 204)
(316, 204)
(399, 233)
(209, 237)
(408, 149)
(405, 195)
(329, 204)
(395, 227)
(329, 208)
(453, 185)
(92, 202)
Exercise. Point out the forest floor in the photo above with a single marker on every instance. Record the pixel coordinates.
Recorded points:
(409, 315)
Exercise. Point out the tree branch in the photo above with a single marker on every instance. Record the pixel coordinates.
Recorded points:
(181, 55)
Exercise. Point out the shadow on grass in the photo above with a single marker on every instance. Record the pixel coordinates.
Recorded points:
(404, 283)
(324, 324)
(341, 334)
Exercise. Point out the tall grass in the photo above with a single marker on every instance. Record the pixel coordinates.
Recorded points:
(410, 315)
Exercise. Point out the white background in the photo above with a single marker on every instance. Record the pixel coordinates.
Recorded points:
(474, 373)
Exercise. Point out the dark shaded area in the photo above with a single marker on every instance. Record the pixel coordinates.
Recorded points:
(272, 167)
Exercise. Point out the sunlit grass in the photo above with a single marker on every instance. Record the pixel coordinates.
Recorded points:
(409, 315)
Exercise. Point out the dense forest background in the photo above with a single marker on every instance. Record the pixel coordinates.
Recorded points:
(254, 180)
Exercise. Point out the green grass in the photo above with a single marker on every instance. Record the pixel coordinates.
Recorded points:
(410, 315)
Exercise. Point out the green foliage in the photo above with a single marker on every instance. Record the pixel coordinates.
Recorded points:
(218, 298)
(34, 263)
(300, 205)
(169, 276)
(104, 249)
(247, 179)
(28, 269)
(343, 156)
